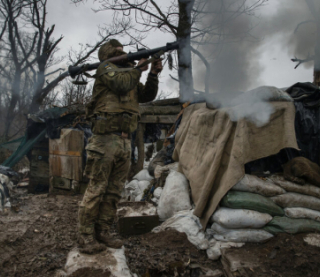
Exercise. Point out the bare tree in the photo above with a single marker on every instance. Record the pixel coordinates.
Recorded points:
(316, 57)
(29, 52)
(191, 22)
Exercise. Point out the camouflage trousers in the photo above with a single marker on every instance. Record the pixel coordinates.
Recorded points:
(107, 167)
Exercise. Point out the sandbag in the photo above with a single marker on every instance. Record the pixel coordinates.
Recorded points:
(160, 169)
(214, 251)
(240, 235)
(157, 192)
(143, 185)
(159, 159)
(186, 222)
(240, 218)
(135, 189)
(156, 195)
(306, 189)
(4, 179)
(302, 213)
(293, 199)
(110, 260)
(175, 196)
(250, 183)
(292, 226)
(251, 201)
(143, 175)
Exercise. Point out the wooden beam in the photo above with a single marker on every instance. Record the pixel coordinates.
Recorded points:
(164, 119)
(140, 145)
(160, 110)
(164, 102)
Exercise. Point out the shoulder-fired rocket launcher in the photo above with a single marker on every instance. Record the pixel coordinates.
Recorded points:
(140, 54)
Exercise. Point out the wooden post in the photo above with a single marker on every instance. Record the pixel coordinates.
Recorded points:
(316, 74)
(140, 146)
(138, 166)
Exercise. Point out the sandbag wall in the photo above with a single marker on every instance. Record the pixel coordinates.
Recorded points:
(255, 209)
(173, 197)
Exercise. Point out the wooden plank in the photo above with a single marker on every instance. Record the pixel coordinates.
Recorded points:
(70, 140)
(66, 166)
(66, 153)
(164, 119)
(160, 110)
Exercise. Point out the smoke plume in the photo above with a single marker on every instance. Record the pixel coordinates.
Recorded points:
(235, 51)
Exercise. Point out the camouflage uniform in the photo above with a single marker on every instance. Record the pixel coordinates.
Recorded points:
(114, 109)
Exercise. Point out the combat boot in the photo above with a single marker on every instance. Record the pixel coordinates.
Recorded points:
(109, 240)
(89, 245)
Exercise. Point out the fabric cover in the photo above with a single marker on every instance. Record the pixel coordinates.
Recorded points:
(212, 149)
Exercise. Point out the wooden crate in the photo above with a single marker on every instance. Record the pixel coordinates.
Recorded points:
(66, 155)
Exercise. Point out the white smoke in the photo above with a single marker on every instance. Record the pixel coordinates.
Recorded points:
(253, 105)
(234, 56)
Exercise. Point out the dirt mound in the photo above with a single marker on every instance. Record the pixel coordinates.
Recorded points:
(35, 240)
(166, 254)
(285, 255)
(36, 237)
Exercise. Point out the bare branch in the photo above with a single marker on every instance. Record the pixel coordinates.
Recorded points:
(299, 61)
(302, 23)
(53, 72)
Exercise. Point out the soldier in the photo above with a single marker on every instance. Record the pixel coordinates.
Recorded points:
(114, 112)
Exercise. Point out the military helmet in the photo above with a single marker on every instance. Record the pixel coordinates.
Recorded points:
(107, 50)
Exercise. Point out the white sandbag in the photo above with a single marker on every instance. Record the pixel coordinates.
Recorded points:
(157, 192)
(159, 169)
(240, 235)
(306, 189)
(240, 218)
(143, 185)
(175, 196)
(214, 251)
(4, 192)
(312, 239)
(292, 199)
(132, 189)
(155, 201)
(135, 189)
(112, 260)
(250, 183)
(4, 179)
(156, 195)
(143, 175)
(139, 197)
(186, 222)
(302, 213)
(136, 210)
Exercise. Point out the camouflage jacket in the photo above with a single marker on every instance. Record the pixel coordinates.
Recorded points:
(120, 91)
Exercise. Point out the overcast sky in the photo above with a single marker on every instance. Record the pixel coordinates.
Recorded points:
(269, 60)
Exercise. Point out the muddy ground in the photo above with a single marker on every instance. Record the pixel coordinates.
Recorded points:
(37, 233)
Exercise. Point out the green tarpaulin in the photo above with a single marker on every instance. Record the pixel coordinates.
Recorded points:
(24, 147)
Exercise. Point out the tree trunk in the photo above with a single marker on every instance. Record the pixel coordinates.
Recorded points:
(13, 102)
(184, 53)
(316, 74)
(41, 94)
